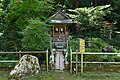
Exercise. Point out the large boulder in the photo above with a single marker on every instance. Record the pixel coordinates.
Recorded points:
(26, 67)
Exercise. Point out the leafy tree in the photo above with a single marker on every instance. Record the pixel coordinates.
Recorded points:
(15, 17)
(10, 40)
(0, 24)
(35, 36)
(90, 18)
(115, 13)
(72, 4)
(11, 37)
(20, 11)
(3, 10)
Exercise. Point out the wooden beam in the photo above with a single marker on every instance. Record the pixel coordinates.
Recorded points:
(98, 62)
(81, 63)
(27, 52)
(47, 60)
(53, 31)
(76, 61)
(70, 60)
(7, 61)
(65, 30)
(95, 53)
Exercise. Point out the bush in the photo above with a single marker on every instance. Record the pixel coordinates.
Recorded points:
(74, 44)
(117, 58)
(35, 36)
(96, 46)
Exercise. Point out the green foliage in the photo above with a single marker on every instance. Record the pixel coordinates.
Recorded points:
(1, 8)
(117, 58)
(91, 17)
(35, 36)
(21, 11)
(15, 17)
(114, 42)
(97, 45)
(72, 4)
(11, 37)
(115, 13)
(74, 44)
(27, 16)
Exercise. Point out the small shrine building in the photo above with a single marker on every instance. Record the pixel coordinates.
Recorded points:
(60, 34)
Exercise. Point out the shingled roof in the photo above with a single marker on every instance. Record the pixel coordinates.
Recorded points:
(60, 17)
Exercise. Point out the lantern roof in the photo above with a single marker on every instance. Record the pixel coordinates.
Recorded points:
(60, 17)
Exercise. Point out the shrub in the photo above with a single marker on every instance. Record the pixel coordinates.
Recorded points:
(35, 36)
(96, 46)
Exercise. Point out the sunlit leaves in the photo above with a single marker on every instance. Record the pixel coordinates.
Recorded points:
(90, 17)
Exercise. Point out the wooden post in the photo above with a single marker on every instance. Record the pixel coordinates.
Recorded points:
(65, 30)
(53, 31)
(70, 61)
(47, 60)
(82, 50)
(67, 44)
(50, 43)
(19, 54)
(81, 63)
(76, 61)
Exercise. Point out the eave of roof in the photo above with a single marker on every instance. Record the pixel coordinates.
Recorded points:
(63, 21)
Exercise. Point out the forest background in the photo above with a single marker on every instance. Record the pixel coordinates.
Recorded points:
(22, 23)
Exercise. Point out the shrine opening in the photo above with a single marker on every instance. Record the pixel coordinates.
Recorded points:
(60, 35)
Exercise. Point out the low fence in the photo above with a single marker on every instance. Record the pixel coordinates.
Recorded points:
(27, 52)
(82, 62)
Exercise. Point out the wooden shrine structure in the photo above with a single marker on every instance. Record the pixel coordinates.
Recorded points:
(60, 34)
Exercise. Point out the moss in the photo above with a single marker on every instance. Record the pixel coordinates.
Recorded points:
(15, 77)
(28, 58)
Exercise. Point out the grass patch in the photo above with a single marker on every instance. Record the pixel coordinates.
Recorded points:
(4, 74)
(88, 75)
(53, 75)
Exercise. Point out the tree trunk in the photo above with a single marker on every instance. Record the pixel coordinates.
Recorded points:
(94, 3)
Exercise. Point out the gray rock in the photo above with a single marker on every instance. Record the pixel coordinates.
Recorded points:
(27, 66)
(108, 48)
